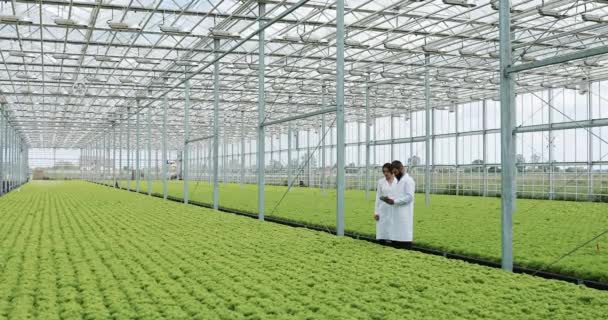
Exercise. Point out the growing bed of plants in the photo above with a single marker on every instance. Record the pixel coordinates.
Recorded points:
(74, 250)
(543, 230)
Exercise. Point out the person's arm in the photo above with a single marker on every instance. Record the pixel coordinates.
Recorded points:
(407, 196)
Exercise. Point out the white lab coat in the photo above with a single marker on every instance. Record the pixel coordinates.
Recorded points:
(402, 224)
(383, 209)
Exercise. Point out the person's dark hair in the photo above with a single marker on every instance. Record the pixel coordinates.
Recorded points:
(397, 164)
(387, 166)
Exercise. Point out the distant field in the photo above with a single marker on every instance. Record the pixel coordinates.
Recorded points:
(530, 185)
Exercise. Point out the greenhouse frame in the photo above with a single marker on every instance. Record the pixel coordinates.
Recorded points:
(478, 98)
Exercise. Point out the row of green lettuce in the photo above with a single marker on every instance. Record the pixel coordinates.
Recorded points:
(543, 231)
(75, 250)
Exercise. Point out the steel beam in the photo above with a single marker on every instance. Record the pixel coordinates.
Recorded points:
(242, 178)
(507, 114)
(427, 139)
(577, 55)
(2, 146)
(340, 130)
(367, 138)
(551, 147)
(149, 139)
(457, 149)
(261, 145)
(113, 155)
(485, 147)
(200, 139)
(137, 150)
(590, 144)
(299, 116)
(563, 125)
(186, 153)
(128, 149)
(308, 158)
(392, 136)
(218, 56)
(120, 130)
(289, 146)
(216, 124)
(322, 136)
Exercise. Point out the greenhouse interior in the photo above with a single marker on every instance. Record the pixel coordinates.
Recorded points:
(304, 159)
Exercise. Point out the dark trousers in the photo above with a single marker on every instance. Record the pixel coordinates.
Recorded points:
(398, 244)
(402, 244)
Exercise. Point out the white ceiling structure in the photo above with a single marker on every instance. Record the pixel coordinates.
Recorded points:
(73, 69)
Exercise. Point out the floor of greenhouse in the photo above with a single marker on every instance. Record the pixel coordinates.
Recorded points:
(75, 250)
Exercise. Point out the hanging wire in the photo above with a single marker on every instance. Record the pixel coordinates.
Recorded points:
(301, 168)
(569, 253)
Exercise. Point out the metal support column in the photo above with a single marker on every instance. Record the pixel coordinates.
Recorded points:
(114, 155)
(11, 152)
(340, 159)
(242, 180)
(149, 169)
(2, 144)
(261, 109)
(392, 136)
(14, 159)
(427, 140)
(210, 164)
(22, 152)
(551, 146)
(107, 162)
(164, 142)
(485, 147)
(507, 118)
(99, 161)
(308, 158)
(457, 148)
(411, 135)
(103, 158)
(185, 154)
(137, 147)
(83, 160)
(96, 161)
(120, 154)
(590, 144)
(128, 149)
(19, 158)
(323, 133)
(433, 147)
(359, 162)
(15, 156)
(224, 160)
(367, 138)
(11, 158)
(289, 145)
(216, 125)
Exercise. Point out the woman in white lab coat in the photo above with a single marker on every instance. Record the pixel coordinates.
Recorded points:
(383, 213)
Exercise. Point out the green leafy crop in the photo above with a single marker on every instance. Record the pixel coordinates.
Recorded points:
(543, 230)
(75, 250)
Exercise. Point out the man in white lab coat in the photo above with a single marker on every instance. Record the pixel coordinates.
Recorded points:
(402, 227)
